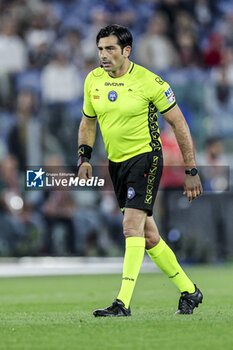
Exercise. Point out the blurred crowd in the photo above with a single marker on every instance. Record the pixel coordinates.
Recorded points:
(46, 50)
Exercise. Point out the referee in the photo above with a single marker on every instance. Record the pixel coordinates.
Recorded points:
(125, 98)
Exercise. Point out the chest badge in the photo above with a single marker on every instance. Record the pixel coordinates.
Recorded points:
(112, 96)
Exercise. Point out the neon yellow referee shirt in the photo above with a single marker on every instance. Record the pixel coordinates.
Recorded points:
(126, 109)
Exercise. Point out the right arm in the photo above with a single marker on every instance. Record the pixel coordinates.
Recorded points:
(86, 136)
(87, 131)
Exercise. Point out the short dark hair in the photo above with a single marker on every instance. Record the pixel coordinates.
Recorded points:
(123, 35)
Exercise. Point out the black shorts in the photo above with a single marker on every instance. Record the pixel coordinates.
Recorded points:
(136, 180)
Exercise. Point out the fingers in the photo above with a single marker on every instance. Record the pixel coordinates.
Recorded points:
(190, 195)
(89, 172)
(192, 187)
(193, 193)
(85, 172)
(200, 189)
(197, 191)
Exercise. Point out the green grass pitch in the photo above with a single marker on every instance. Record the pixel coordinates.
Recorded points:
(55, 313)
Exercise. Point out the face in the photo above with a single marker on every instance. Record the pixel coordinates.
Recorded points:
(111, 56)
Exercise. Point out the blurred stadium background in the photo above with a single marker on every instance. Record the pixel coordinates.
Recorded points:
(46, 50)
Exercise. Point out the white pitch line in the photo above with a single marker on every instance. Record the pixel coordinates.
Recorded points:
(48, 266)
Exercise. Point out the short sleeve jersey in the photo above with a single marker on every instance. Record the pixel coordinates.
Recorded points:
(126, 109)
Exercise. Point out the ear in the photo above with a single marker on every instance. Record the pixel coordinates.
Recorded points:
(127, 51)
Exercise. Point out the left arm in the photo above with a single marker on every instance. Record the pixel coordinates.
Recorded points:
(192, 184)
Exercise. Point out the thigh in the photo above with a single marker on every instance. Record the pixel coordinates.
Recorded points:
(143, 182)
(118, 177)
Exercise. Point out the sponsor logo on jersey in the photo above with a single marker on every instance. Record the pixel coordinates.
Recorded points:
(159, 80)
(170, 96)
(131, 193)
(114, 84)
(112, 96)
(96, 97)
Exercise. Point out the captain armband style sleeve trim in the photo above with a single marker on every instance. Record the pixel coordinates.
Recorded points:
(169, 108)
(89, 116)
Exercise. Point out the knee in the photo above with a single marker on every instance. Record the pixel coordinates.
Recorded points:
(130, 229)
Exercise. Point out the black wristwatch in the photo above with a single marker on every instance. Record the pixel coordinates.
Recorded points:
(192, 171)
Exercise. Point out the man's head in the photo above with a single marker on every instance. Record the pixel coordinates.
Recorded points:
(114, 43)
(124, 37)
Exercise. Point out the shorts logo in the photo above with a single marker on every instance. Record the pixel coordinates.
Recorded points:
(151, 180)
(131, 193)
(149, 189)
(148, 199)
(112, 96)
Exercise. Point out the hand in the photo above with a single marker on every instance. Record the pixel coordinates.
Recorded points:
(192, 187)
(85, 171)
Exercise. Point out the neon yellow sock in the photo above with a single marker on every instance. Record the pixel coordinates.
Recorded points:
(166, 260)
(134, 253)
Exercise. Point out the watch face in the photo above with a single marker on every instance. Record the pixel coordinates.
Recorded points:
(193, 171)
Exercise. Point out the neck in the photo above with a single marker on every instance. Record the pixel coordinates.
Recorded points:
(121, 71)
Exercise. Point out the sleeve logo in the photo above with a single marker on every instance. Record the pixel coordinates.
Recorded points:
(170, 96)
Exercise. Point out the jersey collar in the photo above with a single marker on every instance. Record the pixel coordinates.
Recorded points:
(127, 74)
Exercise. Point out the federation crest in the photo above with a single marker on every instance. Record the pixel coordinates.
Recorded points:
(131, 193)
(112, 96)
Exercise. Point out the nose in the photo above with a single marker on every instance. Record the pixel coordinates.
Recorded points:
(103, 54)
